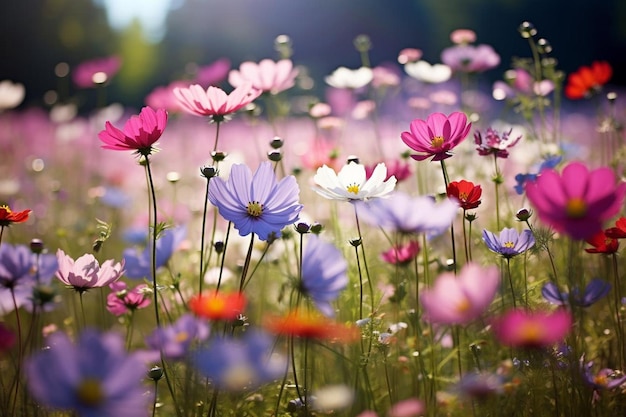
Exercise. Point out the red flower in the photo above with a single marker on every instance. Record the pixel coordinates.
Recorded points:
(466, 193)
(619, 231)
(587, 80)
(311, 326)
(218, 305)
(8, 217)
(602, 244)
(139, 134)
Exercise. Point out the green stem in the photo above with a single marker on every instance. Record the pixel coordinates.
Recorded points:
(153, 215)
(246, 264)
(446, 181)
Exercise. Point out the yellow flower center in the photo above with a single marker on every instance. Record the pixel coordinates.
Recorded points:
(576, 208)
(463, 305)
(508, 245)
(89, 392)
(463, 196)
(531, 333)
(600, 380)
(182, 337)
(6, 209)
(437, 141)
(255, 208)
(353, 188)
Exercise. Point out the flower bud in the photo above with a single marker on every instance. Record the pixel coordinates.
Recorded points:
(353, 158)
(362, 43)
(209, 171)
(523, 214)
(36, 246)
(527, 30)
(303, 228)
(274, 156)
(155, 373)
(277, 142)
(219, 246)
(218, 156)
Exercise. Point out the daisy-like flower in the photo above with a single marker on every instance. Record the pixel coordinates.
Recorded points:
(578, 201)
(96, 71)
(214, 102)
(588, 80)
(139, 134)
(311, 325)
(256, 204)
(494, 144)
(121, 300)
(601, 243)
(95, 377)
(462, 298)
(11, 94)
(218, 305)
(466, 193)
(520, 328)
(437, 135)
(324, 273)
(344, 77)
(509, 243)
(8, 216)
(594, 291)
(351, 183)
(267, 76)
(85, 272)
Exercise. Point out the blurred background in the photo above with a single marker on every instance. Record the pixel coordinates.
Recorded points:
(160, 41)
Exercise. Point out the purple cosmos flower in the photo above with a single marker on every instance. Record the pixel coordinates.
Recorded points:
(234, 364)
(594, 291)
(27, 276)
(510, 243)
(403, 213)
(256, 204)
(95, 377)
(138, 264)
(85, 272)
(494, 144)
(324, 273)
(174, 341)
(605, 379)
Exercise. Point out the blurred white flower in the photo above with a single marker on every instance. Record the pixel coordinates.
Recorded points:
(423, 71)
(344, 77)
(11, 94)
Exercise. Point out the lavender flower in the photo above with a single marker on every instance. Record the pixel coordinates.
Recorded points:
(138, 265)
(256, 204)
(174, 341)
(95, 377)
(323, 273)
(510, 243)
(605, 379)
(594, 291)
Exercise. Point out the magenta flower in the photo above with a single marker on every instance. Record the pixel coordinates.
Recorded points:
(401, 254)
(494, 144)
(519, 328)
(437, 135)
(139, 134)
(85, 272)
(579, 201)
(121, 300)
(459, 299)
(267, 76)
(214, 102)
(256, 204)
(96, 71)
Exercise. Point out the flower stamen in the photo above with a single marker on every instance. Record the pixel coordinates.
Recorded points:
(353, 188)
(89, 392)
(437, 141)
(576, 208)
(255, 209)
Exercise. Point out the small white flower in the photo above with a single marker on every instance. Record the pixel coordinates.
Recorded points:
(344, 77)
(11, 94)
(423, 71)
(350, 183)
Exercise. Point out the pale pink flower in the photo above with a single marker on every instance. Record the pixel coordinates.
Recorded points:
(213, 73)
(85, 272)
(214, 102)
(411, 407)
(470, 58)
(11, 94)
(409, 55)
(163, 97)
(463, 36)
(267, 75)
(462, 298)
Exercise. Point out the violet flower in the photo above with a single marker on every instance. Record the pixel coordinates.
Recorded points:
(175, 340)
(594, 291)
(509, 243)
(138, 264)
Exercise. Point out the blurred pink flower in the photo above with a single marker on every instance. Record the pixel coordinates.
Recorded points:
(459, 299)
(463, 36)
(214, 102)
(469, 58)
(437, 135)
(385, 77)
(398, 168)
(578, 201)
(411, 407)
(139, 134)
(401, 254)
(85, 272)
(163, 97)
(213, 73)
(320, 153)
(95, 72)
(7, 338)
(519, 328)
(121, 300)
(267, 75)
(409, 55)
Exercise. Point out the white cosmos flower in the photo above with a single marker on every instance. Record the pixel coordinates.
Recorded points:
(350, 183)
(11, 94)
(344, 77)
(423, 71)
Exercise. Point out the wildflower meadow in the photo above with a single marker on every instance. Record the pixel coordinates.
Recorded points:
(415, 241)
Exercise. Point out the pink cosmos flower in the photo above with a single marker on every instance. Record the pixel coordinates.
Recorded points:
(401, 254)
(139, 134)
(395, 168)
(85, 272)
(163, 97)
(470, 58)
(213, 73)
(437, 135)
(122, 300)
(578, 201)
(459, 299)
(463, 36)
(518, 328)
(96, 71)
(267, 75)
(214, 102)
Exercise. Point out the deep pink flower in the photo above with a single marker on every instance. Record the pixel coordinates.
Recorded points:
(85, 272)
(401, 254)
(96, 71)
(139, 134)
(459, 299)
(437, 135)
(267, 75)
(214, 102)
(578, 201)
(519, 328)
(122, 300)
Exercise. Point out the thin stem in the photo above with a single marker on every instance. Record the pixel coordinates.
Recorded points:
(467, 257)
(204, 212)
(446, 181)
(618, 294)
(153, 214)
(496, 180)
(20, 351)
(246, 264)
(508, 271)
(1, 233)
(219, 279)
